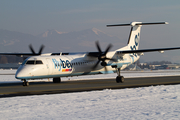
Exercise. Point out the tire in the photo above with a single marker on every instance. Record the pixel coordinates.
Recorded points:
(25, 83)
(56, 80)
(122, 79)
(119, 79)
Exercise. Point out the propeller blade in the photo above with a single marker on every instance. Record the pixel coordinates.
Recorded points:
(32, 50)
(94, 67)
(111, 59)
(98, 47)
(108, 48)
(41, 49)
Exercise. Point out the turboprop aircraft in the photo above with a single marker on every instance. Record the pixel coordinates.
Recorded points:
(57, 65)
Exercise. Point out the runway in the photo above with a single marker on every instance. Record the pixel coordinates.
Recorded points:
(39, 88)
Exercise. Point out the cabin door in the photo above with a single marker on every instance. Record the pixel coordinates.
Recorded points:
(49, 66)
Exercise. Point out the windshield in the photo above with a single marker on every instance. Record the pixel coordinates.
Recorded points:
(34, 62)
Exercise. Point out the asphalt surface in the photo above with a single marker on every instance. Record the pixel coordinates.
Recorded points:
(40, 88)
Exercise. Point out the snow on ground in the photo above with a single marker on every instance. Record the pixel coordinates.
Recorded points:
(155, 102)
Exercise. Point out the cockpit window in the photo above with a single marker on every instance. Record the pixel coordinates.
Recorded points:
(34, 62)
(38, 62)
(30, 62)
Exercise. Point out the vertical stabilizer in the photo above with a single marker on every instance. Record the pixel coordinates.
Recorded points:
(134, 37)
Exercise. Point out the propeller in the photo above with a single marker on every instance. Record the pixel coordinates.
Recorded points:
(40, 50)
(102, 56)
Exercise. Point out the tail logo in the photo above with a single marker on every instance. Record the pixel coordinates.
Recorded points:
(136, 40)
(136, 43)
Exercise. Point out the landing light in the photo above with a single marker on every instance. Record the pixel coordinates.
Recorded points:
(161, 51)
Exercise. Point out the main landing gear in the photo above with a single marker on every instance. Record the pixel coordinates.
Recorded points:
(56, 80)
(25, 82)
(119, 78)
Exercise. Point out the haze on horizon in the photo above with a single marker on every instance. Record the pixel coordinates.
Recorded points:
(37, 16)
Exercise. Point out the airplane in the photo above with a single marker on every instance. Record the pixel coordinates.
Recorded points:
(57, 65)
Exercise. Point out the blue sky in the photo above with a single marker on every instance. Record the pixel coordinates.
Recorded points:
(36, 16)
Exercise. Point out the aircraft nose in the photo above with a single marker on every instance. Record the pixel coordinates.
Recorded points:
(20, 74)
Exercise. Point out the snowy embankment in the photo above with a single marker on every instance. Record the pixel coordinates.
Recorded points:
(160, 102)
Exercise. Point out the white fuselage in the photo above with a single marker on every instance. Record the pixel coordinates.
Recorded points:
(39, 67)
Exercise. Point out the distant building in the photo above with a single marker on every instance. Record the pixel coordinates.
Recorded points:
(165, 66)
(173, 66)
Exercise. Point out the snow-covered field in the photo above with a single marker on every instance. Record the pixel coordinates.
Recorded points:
(160, 102)
(155, 102)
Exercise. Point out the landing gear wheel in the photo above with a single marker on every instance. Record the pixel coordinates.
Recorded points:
(56, 80)
(25, 83)
(119, 79)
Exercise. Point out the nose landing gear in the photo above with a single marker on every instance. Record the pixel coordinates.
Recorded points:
(25, 82)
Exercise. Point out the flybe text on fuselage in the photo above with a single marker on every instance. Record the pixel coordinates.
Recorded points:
(63, 65)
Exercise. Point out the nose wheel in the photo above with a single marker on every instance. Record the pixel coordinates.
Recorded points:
(25, 82)
(119, 78)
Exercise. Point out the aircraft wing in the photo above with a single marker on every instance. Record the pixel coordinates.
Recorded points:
(33, 53)
(96, 54)
(18, 54)
(146, 50)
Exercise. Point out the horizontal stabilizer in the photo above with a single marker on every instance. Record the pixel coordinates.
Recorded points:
(137, 23)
